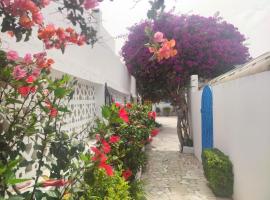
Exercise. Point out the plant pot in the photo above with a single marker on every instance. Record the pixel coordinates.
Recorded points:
(188, 149)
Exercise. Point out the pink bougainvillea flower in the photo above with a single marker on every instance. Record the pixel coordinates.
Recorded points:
(152, 50)
(126, 174)
(24, 90)
(27, 58)
(167, 50)
(18, 73)
(37, 18)
(108, 168)
(114, 139)
(90, 4)
(123, 115)
(56, 183)
(154, 132)
(45, 2)
(105, 146)
(158, 37)
(12, 55)
(36, 72)
(53, 112)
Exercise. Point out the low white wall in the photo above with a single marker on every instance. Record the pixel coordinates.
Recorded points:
(241, 117)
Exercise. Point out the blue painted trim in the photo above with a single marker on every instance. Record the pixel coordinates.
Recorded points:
(207, 118)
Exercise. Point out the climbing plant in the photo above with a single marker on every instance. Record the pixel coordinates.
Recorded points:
(207, 46)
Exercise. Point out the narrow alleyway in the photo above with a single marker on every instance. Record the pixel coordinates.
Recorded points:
(170, 175)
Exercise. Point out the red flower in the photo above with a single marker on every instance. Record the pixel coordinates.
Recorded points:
(53, 112)
(24, 90)
(30, 79)
(108, 168)
(123, 115)
(97, 137)
(102, 158)
(56, 183)
(154, 132)
(95, 150)
(114, 139)
(126, 174)
(118, 105)
(150, 139)
(105, 146)
(129, 105)
(152, 115)
(33, 89)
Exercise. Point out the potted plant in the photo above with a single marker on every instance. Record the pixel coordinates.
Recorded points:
(188, 146)
(166, 111)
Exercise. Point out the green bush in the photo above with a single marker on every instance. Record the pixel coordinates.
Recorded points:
(218, 170)
(104, 187)
(137, 190)
(167, 110)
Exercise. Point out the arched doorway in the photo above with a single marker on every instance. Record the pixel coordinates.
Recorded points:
(207, 118)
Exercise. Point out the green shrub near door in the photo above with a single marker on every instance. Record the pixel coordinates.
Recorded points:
(166, 111)
(218, 170)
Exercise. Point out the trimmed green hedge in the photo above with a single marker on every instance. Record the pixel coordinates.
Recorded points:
(218, 170)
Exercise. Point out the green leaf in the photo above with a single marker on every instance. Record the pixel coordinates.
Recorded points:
(52, 193)
(106, 113)
(14, 181)
(16, 198)
(84, 157)
(38, 194)
(13, 163)
(2, 170)
(60, 92)
(12, 100)
(63, 109)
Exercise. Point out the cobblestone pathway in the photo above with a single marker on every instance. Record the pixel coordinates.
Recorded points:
(170, 175)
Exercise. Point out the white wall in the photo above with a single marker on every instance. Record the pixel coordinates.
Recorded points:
(98, 65)
(241, 117)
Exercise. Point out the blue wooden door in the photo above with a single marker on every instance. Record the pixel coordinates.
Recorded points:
(207, 118)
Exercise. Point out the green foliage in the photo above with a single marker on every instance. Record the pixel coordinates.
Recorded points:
(136, 190)
(28, 118)
(218, 170)
(167, 110)
(127, 154)
(106, 187)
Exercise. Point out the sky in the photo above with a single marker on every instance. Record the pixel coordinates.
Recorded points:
(251, 17)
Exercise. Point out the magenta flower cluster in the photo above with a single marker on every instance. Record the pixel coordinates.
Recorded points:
(207, 46)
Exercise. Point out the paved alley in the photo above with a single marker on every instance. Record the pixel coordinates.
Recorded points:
(170, 175)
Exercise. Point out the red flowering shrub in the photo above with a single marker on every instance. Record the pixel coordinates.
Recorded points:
(31, 106)
(132, 127)
(154, 132)
(126, 174)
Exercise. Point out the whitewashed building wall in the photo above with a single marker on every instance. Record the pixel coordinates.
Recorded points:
(241, 126)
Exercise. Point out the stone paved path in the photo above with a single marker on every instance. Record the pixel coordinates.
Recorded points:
(170, 175)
